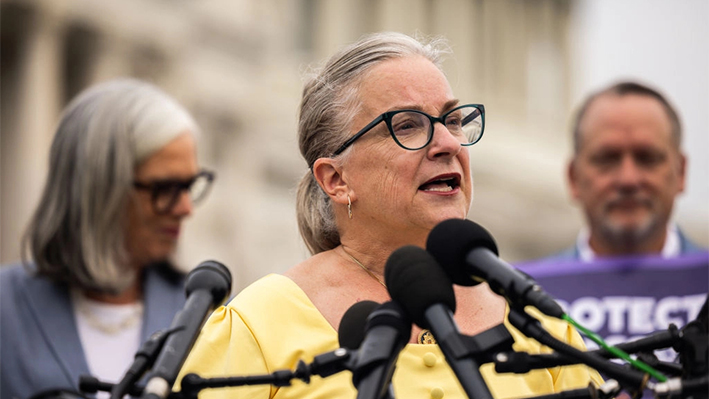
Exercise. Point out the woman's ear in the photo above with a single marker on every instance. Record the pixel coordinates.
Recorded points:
(328, 174)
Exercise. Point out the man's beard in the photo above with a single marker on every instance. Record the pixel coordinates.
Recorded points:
(629, 238)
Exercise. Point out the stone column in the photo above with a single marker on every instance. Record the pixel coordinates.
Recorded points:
(27, 139)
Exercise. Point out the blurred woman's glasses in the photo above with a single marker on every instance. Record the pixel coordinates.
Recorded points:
(413, 130)
(165, 194)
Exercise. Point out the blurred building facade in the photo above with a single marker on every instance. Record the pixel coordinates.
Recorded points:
(237, 66)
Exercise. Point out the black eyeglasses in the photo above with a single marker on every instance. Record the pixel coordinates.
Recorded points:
(165, 194)
(413, 130)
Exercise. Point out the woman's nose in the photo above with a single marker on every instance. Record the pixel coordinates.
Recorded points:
(443, 143)
(184, 204)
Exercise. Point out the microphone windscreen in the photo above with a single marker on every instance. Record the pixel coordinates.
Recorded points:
(416, 281)
(211, 276)
(350, 334)
(451, 241)
(392, 315)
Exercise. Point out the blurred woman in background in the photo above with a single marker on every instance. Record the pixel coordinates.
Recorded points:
(123, 175)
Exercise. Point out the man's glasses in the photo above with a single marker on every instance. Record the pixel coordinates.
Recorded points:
(165, 194)
(413, 130)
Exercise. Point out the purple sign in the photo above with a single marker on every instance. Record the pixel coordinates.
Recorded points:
(622, 299)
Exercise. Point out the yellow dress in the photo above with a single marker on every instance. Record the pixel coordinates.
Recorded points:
(272, 324)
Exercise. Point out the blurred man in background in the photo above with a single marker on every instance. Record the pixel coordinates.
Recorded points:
(626, 172)
(631, 271)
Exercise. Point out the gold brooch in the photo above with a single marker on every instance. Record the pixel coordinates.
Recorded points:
(425, 337)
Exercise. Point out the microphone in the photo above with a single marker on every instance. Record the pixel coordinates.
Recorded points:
(693, 345)
(416, 281)
(468, 254)
(386, 333)
(350, 334)
(207, 287)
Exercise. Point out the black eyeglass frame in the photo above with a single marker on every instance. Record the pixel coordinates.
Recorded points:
(177, 186)
(387, 117)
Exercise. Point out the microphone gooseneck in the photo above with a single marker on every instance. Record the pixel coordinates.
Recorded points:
(207, 287)
(386, 333)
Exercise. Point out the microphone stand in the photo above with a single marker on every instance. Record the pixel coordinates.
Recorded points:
(629, 378)
(192, 384)
(494, 344)
(323, 365)
(482, 347)
(522, 362)
(91, 385)
(690, 375)
(144, 360)
(467, 353)
(608, 390)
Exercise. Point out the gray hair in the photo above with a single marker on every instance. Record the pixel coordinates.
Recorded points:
(328, 106)
(624, 89)
(76, 235)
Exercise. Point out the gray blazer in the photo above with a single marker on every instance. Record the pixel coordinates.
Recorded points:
(40, 347)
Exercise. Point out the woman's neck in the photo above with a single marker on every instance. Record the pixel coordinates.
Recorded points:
(372, 251)
(130, 295)
(372, 258)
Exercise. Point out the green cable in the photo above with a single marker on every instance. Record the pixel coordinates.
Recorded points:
(616, 351)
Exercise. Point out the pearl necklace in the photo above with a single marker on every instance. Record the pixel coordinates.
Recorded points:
(425, 336)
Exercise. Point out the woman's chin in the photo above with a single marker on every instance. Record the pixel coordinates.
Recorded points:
(445, 215)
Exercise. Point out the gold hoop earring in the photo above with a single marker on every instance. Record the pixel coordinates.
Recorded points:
(349, 206)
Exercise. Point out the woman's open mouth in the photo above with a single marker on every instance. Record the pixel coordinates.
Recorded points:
(442, 184)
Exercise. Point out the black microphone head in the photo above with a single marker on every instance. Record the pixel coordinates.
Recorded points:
(212, 276)
(451, 241)
(416, 281)
(350, 334)
(391, 314)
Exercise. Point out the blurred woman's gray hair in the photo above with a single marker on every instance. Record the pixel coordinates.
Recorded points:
(329, 103)
(76, 235)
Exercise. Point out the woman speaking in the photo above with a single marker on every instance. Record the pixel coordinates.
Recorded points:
(387, 149)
